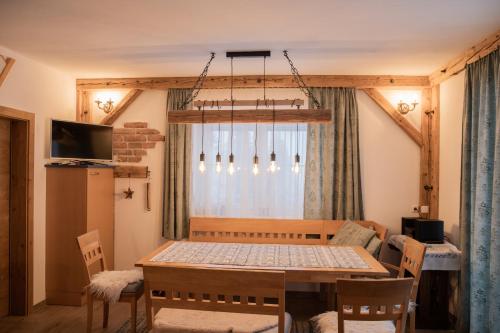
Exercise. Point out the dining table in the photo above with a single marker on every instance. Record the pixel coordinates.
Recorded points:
(301, 263)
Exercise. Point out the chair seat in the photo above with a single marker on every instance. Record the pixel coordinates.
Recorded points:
(194, 321)
(133, 288)
(328, 323)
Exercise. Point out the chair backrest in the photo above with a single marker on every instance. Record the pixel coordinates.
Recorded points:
(270, 231)
(386, 299)
(91, 249)
(224, 290)
(412, 262)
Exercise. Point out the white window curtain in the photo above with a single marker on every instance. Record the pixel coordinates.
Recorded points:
(243, 194)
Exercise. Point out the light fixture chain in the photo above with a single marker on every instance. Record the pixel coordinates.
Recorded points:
(198, 84)
(300, 81)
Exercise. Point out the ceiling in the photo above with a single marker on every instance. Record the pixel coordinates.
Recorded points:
(123, 38)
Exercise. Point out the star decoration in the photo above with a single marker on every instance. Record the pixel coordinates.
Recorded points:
(128, 193)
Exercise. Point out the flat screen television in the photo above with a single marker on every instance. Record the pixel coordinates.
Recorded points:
(80, 141)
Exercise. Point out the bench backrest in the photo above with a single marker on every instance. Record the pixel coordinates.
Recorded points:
(270, 231)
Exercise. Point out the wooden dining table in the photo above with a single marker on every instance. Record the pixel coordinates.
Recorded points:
(292, 273)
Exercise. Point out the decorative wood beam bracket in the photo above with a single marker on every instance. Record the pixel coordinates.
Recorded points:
(399, 119)
(251, 116)
(9, 62)
(121, 107)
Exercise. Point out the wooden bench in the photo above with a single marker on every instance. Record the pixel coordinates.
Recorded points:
(270, 231)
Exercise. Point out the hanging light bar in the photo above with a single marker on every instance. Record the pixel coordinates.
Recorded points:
(313, 115)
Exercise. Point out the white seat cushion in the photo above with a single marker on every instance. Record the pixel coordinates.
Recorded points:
(194, 321)
(328, 323)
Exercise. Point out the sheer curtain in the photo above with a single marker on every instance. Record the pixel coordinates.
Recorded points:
(243, 194)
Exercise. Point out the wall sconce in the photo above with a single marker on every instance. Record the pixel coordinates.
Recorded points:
(404, 108)
(106, 107)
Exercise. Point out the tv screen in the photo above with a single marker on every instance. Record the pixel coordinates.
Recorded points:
(79, 141)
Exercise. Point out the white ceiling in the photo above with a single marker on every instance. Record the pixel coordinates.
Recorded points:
(118, 38)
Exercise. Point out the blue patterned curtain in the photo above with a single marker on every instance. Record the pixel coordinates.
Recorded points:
(177, 176)
(333, 177)
(480, 199)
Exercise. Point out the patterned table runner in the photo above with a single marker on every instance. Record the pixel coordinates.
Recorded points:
(265, 255)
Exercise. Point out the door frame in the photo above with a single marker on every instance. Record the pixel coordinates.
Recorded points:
(21, 210)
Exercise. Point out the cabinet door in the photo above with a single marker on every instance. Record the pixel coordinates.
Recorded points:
(100, 208)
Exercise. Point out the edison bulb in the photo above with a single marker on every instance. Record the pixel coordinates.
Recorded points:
(273, 167)
(202, 167)
(296, 163)
(218, 163)
(255, 169)
(230, 169)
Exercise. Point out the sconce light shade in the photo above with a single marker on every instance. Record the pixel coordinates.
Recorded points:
(106, 107)
(404, 108)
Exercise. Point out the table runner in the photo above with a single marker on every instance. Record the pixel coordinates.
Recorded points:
(264, 255)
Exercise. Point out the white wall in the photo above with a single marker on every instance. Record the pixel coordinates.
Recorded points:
(48, 93)
(450, 151)
(389, 164)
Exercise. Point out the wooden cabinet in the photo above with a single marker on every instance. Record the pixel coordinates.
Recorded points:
(79, 199)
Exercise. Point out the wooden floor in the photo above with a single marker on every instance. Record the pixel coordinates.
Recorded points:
(62, 319)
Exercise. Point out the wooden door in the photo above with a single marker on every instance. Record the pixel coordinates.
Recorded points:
(4, 215)
(100, 209)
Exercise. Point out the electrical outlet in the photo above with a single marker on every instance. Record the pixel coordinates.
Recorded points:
(414, 209)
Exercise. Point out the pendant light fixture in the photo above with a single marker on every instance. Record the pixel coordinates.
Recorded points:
(202, 166)
(296, 164)
(230, 168)
(273, 167)
(218, 158)
(255, 168)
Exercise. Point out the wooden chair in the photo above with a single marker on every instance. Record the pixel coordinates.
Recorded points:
(368, 306)
(216, 299)
(411, 265)
(92, 253)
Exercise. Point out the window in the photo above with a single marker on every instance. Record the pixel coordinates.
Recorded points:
(243, 194)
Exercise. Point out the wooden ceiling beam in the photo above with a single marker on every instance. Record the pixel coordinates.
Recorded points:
(474, 53)
(9, 62)
(399, 119)
(256, 81)
(121, 107)
(251, 116)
